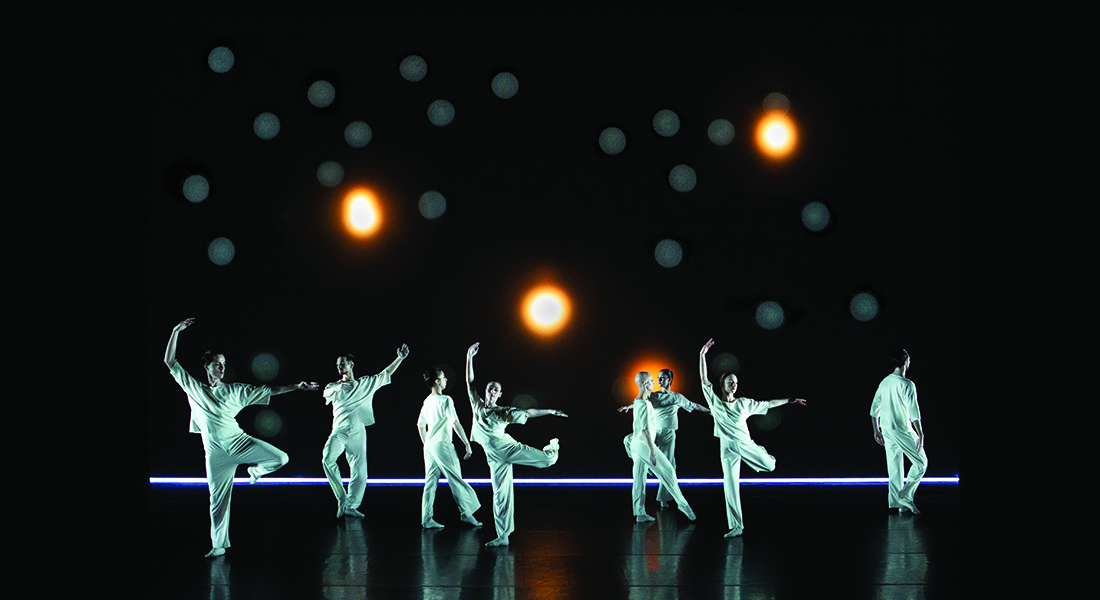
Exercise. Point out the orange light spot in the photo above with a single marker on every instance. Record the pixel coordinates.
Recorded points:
(546, 310)
(362, 212)
(626, 389)
(776, 134)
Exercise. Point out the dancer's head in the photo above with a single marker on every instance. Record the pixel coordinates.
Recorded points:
(664, 378)
(900, 359)
(213, 363)
(728, 381)
(493, 392)
(644, 381)
(434, 377)
(344, 364)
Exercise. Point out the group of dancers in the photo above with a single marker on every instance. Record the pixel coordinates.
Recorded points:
(895, 419)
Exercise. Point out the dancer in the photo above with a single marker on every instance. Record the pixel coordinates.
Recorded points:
(730, 416)
(892, 411)
(663, 423)
(352, 409)
(647, 457)
(501, 450)
(214, 407)
(437, 420)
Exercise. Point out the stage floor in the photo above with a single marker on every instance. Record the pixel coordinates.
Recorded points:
(570, 542)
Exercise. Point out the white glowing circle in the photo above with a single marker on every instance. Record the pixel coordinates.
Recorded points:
(221, 251)
(720, 132)
(863, 307)
(441, 113)
(362, 214)
(196, 188)
(330, 173)
(547, 309)
(505, 85)
(612, 140)
(682, 178)
(432, 205)
(769, 314)
(220, 59)
(265, 367)
(815, 216)
(266, 126)
(357, 134)
(268, 423)
(666, 123)
(668, 253)
(777, 135)
(413, 68)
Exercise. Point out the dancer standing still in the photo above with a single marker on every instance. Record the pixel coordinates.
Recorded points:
(892, 411)
(501, 450)
(730, 416)
(352, 410)
(437, 420)
(214, 407)
(647, 457)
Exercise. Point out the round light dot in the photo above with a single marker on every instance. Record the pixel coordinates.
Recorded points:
(266, 126)
(682, 178)
(330, 173)
(525, 401)
(720, 132)
(220, 59)
(769, 315)
(268, 423)
(863, 307)
(777, 101)
(725, 362)
(441, 113)
(612, 140)
(265, 367)
(666, 123)
(321, 93)
(413, 68)
(815, 216)
(505, 85)
(357, 134)
(196, 188)
(221, 251)
(668, 253)
(432, 205)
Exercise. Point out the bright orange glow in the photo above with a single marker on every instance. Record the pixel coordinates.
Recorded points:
(546, 310)
(776, 134)
(625, 388)
(362, 214)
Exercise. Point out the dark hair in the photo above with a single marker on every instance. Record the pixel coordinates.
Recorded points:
(208, 357)
(669, 371)
(898, 357)
(349, 356)
(431, 374)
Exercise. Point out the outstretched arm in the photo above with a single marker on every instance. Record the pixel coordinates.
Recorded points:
(170, 351)
(701, 408)
(782, 401)
(402, 354)
(542, 412)
(703, 362)
(282, 389)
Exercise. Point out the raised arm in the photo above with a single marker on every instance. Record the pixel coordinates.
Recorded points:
(703, 362)
(170, 351)
(470, 390)
(542, 412)
(402, 354)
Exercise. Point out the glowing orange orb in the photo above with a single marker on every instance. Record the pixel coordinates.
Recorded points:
(776, 134)
(626, 389)
(362, 214)
(546, 310)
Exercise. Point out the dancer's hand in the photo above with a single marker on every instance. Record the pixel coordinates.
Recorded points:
(707, 346)
(469, 452)
(403, 351)
(184, 324)
(472, 350)
(312, 385)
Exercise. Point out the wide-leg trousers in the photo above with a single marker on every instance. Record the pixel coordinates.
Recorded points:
(441, 460)
(732, 454)
(222, 458)
(352, 443)
(899, 445)
(501, 457)
(663, 470)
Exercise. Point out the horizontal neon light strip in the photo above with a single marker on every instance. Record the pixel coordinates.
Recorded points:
(554, 482)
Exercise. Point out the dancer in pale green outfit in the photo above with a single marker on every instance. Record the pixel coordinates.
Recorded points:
(647, 457)
(437, 421)
(214, 408)
(501, 450)
(895, 423)
(730, 416)
(352, 409)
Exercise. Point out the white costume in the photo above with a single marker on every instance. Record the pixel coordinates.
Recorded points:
(639, 452)
(213, 415)
(736, 446)
(663, 423)
(895, 405)
(502, 451)
(352, 410)
(438, 416)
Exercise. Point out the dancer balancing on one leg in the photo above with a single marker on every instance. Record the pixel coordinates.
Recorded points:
(648, 458)
(352, 409)
(438, 420)
(501, 450)
(730, 416)
(214, 408)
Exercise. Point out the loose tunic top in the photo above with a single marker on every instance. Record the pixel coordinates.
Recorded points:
(438, 414)
(730, 417)
(665, 406)
(214, 409)
(353, 401)
(895, 403)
